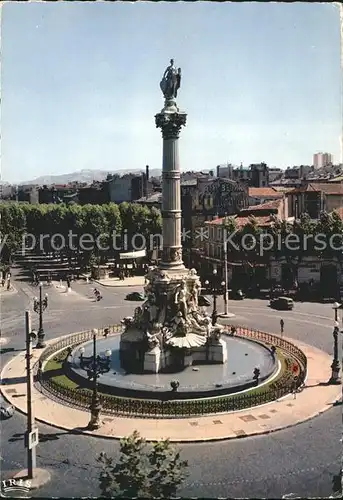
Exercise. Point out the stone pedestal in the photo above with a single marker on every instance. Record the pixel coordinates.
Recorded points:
(217, 352)
(152, 360)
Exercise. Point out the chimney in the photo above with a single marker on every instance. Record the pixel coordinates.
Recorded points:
(147, 172)
(218, 170)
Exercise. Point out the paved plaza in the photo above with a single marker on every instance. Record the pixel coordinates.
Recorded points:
(316, 398)
(302, 458)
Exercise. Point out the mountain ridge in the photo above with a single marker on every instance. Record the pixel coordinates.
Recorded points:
(85, 175)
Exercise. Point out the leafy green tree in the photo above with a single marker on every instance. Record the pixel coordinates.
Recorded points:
(96, 225)
(12, 229)
(35, 223)
(153, 473)
(329, 231)
(134, 221)
(292, 242)
(73, 223)
(114, 226)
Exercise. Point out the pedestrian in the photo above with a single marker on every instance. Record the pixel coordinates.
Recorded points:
(282, 325)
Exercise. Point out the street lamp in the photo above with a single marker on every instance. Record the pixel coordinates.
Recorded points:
(335, 307)
(31, 435)
(39, 306)
(95, 366)
(216, 290)
(335, 366)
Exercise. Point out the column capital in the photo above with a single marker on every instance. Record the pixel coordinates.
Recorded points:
(170, 124)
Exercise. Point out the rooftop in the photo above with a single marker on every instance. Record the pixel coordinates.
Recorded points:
(154, 198)
(241, 221)
(269, 205)
(189, 182)
(327, 188)
(264, 192)
(337, 179)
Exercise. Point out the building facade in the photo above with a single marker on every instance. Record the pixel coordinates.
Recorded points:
(321, 160)
(257, 174)
(315, 198)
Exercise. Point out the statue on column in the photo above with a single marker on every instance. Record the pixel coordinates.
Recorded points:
(181, 299)
(171, 81)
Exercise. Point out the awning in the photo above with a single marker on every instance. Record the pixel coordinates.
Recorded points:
(132, 255)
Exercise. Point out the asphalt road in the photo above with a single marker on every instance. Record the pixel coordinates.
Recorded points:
(301, 460)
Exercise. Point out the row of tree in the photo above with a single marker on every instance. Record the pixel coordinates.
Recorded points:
(45, 228)
(113, 227)
(293, 241)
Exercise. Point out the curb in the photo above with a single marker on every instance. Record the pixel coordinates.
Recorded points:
(187, 441)
(4, 292)
(156, 428)
(116, 286)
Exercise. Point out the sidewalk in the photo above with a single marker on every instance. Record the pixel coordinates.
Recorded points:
(71, 294)
(4, 292)
(312, 401)
(116, 282)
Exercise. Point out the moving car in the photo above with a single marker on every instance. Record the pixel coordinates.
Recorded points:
(137, 296)
(203, 301)
(236, 295)
(282, 303)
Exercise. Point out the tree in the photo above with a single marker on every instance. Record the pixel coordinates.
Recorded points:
(153, 473)
(329, 234)
(114, 226)
(12, 228)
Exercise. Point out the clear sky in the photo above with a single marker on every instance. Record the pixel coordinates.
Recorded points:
(80, 84)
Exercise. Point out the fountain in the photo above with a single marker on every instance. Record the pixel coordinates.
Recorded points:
(170, 329)
(169, 333)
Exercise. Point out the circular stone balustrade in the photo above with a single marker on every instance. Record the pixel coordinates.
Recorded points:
(294, 363)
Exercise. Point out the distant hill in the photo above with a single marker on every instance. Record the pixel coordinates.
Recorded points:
(87, 176)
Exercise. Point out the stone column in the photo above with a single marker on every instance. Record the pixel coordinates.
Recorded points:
(170, 121)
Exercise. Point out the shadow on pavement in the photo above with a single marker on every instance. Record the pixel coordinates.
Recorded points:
(43, 438)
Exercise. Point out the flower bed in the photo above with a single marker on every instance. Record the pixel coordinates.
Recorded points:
(55, 382)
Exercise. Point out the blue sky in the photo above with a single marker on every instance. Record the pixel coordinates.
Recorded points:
(80, 84)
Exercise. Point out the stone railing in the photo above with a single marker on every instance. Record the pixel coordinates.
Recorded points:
(132, 407)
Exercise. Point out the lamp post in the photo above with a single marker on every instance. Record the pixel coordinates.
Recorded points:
(335, 307)
(31, 435)
(95, 366)
(335, 366)
(39, 306)
(216, 289)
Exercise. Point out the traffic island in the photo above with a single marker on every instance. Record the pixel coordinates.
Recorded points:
(265, 417)
(40, 478)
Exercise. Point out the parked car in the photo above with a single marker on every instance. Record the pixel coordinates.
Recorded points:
(203, 301)
(6, 409)
(137, 296)
(282, 303)
(236, 295)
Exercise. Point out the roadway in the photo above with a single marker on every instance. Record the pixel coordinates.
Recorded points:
(302, 460)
